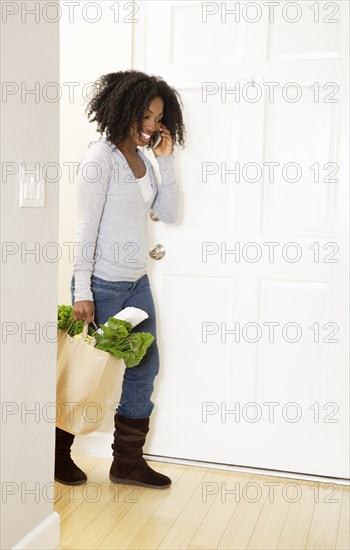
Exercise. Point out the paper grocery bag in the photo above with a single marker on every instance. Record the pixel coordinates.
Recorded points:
(86, 377)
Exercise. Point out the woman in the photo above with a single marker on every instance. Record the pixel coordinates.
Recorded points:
(116, 188)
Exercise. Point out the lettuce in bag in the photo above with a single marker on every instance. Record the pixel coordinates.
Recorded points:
(117, 337)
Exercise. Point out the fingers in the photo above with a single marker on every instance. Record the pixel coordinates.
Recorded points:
(166, 144)
(84, 311)
(89, 318)
(165, 132)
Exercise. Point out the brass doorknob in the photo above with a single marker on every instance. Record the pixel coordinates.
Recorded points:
(153, 216)
(157, 252)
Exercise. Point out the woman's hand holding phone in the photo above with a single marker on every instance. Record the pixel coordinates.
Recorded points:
(165, 146)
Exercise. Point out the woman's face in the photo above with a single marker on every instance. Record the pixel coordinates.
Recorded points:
(151, 122)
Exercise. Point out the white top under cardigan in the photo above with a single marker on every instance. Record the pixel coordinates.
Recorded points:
(146, 186)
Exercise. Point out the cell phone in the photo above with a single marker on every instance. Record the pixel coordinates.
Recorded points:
(155, 140)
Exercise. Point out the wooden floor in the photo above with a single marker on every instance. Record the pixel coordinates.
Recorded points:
(203, 508)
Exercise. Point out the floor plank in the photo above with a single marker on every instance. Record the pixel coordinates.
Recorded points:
(343, 535)
(244, 518)
(297, 524)
(325, 520)
(273, 514)
(212, 528)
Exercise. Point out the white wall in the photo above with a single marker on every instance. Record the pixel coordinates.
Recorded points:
(87, 51)
(29, 134)
(39, 51)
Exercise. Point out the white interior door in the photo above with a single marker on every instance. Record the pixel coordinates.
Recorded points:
(251, 294)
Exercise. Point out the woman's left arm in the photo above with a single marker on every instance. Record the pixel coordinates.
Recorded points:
(166, 203)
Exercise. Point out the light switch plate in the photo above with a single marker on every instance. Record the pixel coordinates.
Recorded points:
(31, 189)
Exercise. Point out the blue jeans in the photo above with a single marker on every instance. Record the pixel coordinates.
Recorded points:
(138, 382)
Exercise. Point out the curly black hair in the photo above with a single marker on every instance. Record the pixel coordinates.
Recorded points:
(118, 99)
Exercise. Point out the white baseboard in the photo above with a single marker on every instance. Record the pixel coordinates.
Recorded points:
(45, 536)
(94, 444)
(99, 444)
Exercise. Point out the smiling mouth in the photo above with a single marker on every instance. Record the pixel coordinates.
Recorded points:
(145, 137)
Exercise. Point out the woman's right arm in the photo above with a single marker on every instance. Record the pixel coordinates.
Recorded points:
(93, 177)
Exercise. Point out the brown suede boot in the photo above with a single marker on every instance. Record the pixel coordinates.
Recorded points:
(129, 467)
(66, 471)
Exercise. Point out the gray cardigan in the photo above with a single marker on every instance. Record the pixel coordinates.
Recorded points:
(112, 228)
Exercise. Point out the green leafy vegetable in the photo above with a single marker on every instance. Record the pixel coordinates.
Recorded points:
(116, 328)
(117, 337)
(65, 318)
